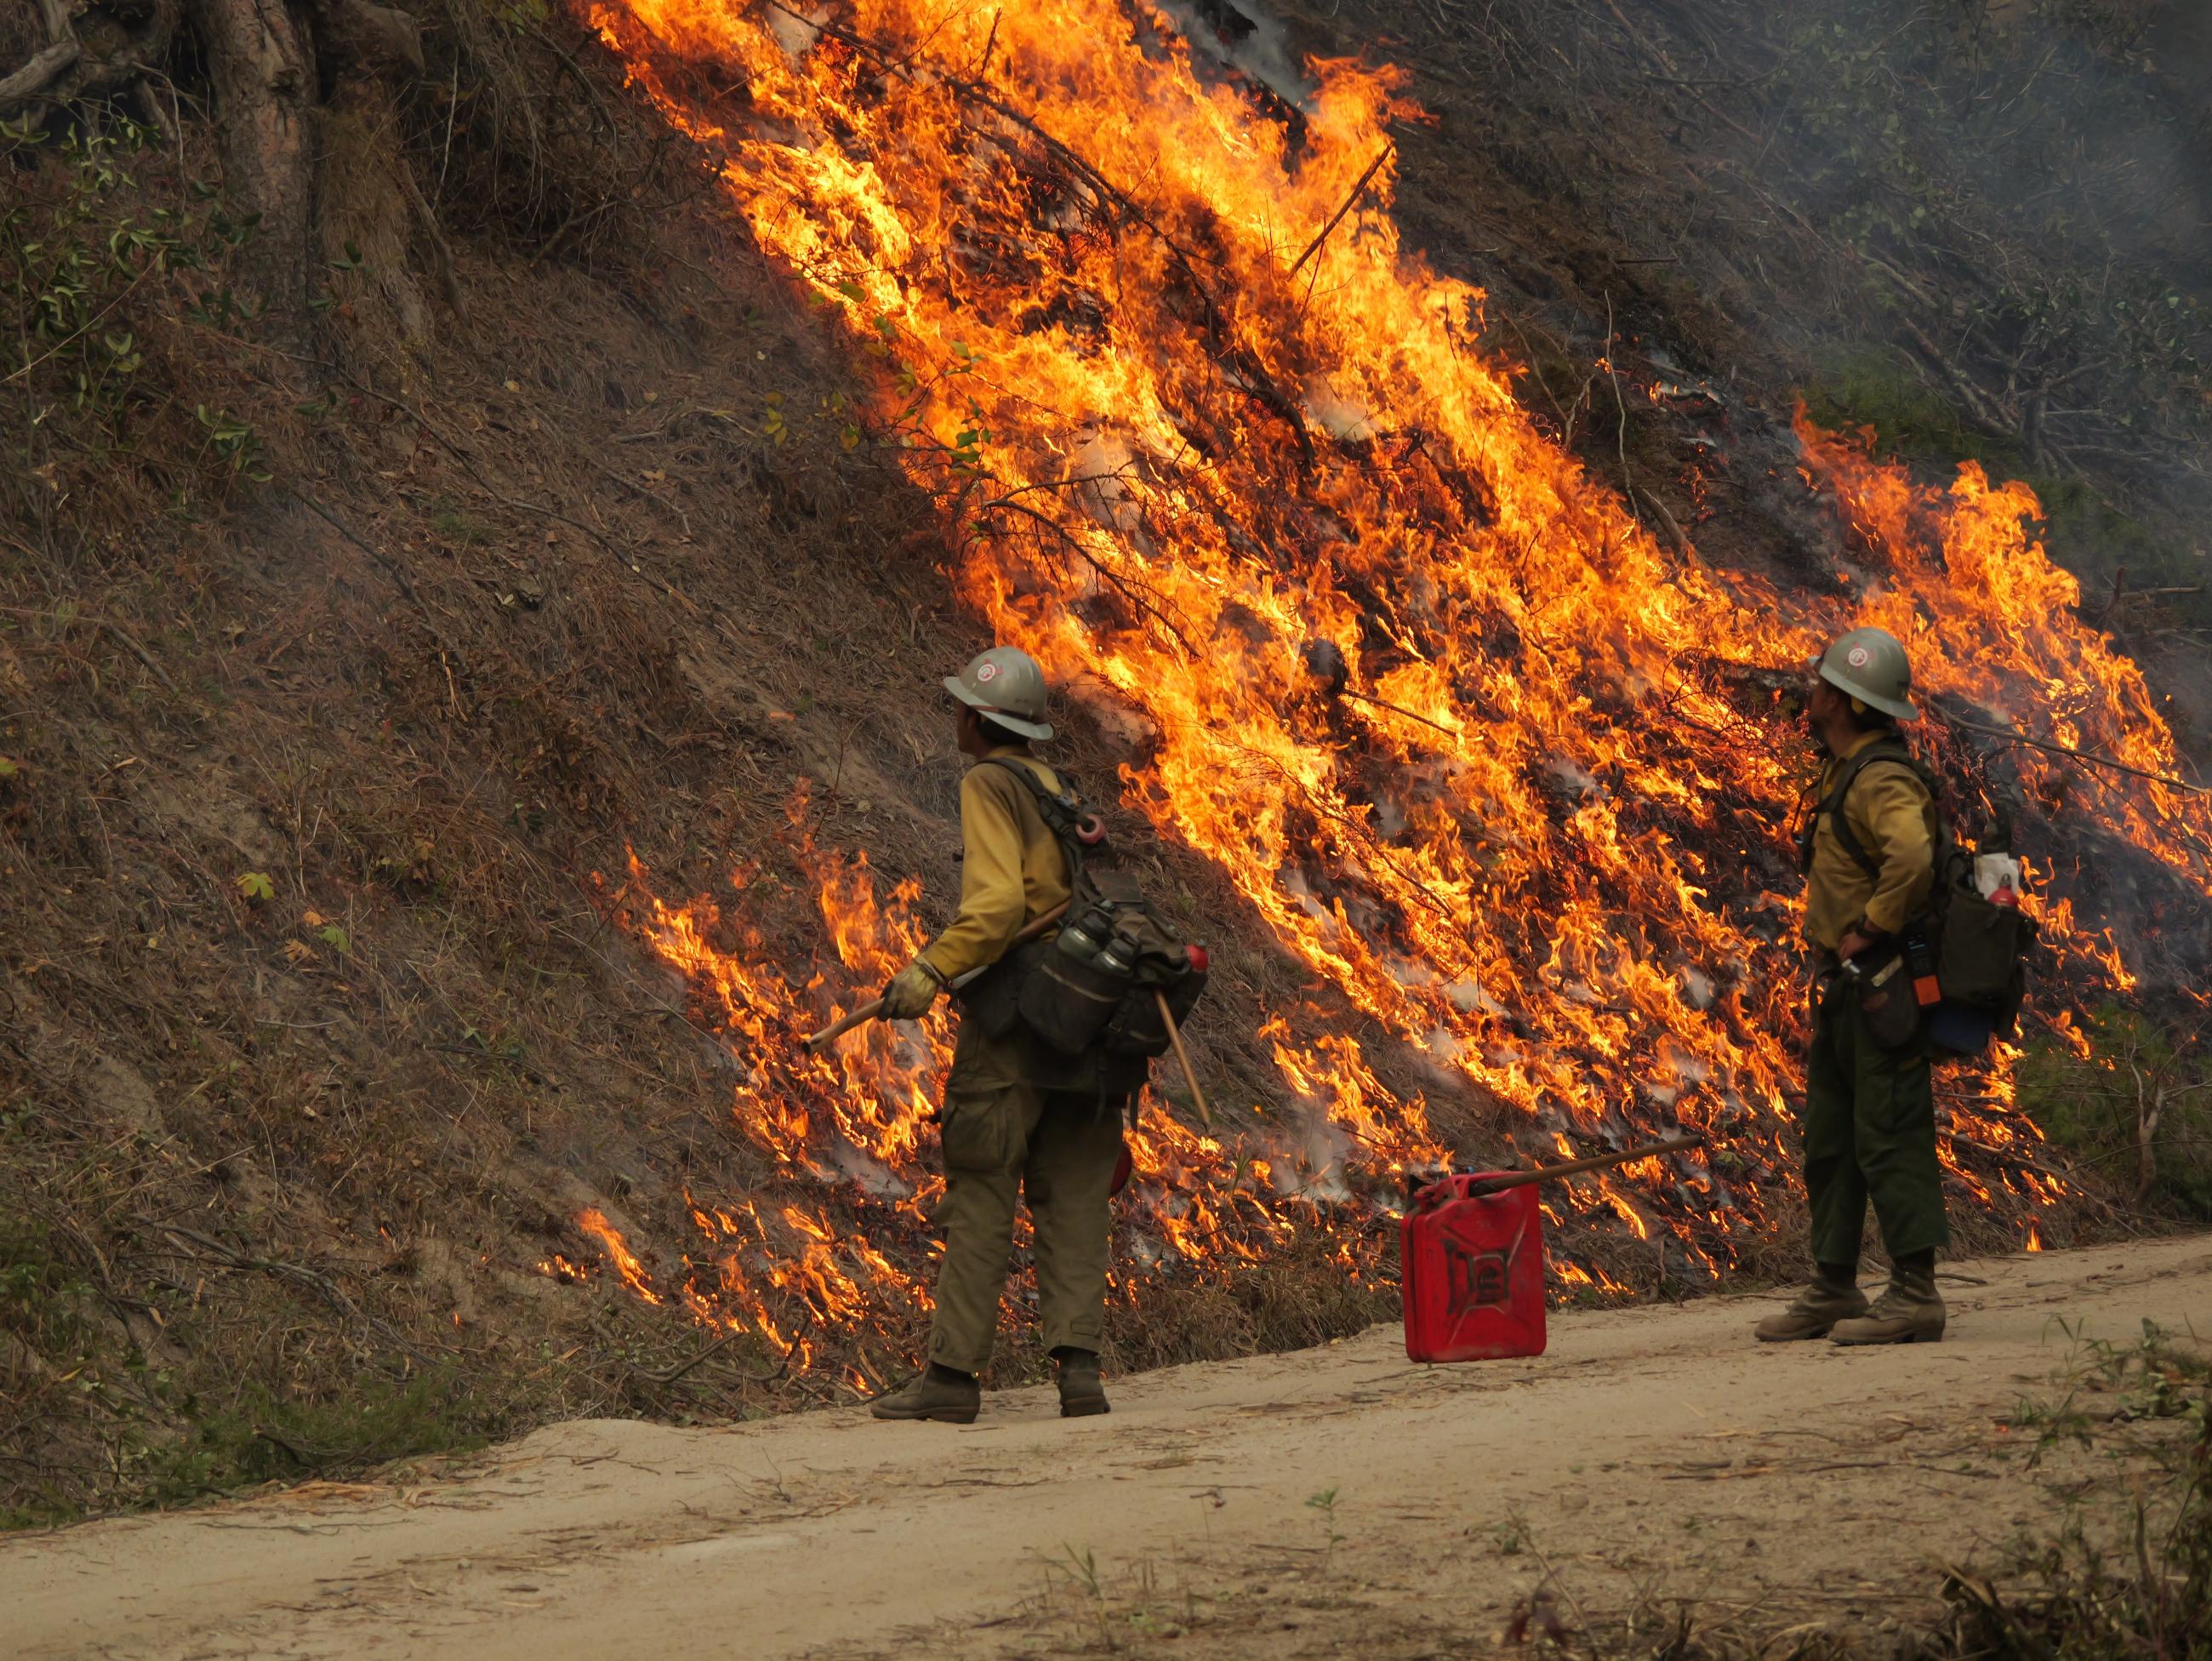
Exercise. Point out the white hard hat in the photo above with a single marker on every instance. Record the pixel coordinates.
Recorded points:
(1006, 684)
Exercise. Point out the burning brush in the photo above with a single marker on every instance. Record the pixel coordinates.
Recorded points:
(1196, 419)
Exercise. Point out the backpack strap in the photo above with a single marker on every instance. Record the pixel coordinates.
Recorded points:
(1892, 751)
(1062, 812)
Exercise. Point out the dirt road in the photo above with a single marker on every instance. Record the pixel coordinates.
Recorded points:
(1293, 1505)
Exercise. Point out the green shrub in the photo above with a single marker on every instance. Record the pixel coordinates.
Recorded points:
(2140, 1107)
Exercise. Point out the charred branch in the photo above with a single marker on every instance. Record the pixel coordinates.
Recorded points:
(1131, 591)
(1351, 202)
(2006, 735)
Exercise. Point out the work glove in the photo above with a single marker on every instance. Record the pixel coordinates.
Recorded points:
(911, 992)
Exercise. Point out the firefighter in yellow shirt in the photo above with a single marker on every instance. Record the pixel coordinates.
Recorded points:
(1017, 1120)
(1869, 1095)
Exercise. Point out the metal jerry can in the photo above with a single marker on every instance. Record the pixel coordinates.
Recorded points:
(1472, 1270)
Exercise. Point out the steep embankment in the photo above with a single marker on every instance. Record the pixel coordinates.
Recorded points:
(343, 655)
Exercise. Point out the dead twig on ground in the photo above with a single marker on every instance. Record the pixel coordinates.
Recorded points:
(122, 636)
(227, 1257)
(2010, 1157)
(708, 1353)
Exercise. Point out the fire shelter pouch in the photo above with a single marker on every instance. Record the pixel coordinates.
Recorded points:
(1885, 998)
(993, 999)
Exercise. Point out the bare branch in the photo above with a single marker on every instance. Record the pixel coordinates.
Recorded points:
(1350, 202)
(45, 67)
(1130, 591)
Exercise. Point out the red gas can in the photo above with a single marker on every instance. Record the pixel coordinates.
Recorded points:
(1472, 1268)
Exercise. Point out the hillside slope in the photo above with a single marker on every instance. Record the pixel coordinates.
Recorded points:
(344, 667)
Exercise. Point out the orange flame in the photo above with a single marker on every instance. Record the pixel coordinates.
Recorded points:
(595, 1224)
(1182, 434)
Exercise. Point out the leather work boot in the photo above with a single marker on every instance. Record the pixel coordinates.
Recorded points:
(1910, 1310)
(1082, 1391)
(1813, 1312)
(950, 1398)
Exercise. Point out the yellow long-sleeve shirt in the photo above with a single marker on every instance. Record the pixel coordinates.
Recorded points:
(1894, 820)
(1011, 870)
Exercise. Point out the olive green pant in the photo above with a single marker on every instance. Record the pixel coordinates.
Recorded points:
(1007, 1135)
(1869, 1135)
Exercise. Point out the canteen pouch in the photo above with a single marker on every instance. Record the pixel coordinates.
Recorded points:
(1067, 1001)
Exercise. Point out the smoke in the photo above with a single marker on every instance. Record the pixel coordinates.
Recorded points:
(1984, 226)
(1244, 35)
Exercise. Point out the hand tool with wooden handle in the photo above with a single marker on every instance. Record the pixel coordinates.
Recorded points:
(1498, 1183)
(868, 1011)
(1189, 1074)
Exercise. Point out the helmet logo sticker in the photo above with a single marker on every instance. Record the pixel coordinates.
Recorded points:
(1856, 657)
(987, 672)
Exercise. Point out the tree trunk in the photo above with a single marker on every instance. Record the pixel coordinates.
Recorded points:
(266, 62)
(262, 65)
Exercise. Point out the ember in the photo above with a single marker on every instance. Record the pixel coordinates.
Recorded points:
(1485, 756)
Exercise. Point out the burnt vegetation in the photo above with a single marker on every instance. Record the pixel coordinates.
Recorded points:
(418, 492)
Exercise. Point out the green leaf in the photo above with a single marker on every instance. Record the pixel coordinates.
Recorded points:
(337, 939)
(256, 886)
(851, 290)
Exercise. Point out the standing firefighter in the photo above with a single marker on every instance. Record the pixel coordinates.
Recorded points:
(1018, 1119)
(1869, 853)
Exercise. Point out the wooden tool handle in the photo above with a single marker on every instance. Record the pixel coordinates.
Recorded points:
(868, 1011)
(1626, 1156)
(838, 1028)
(1189, 1073)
